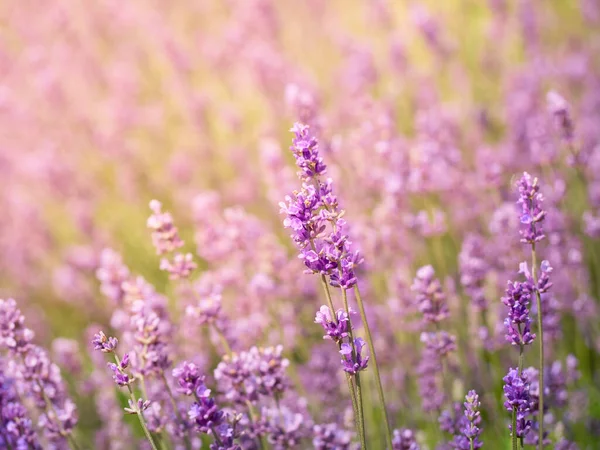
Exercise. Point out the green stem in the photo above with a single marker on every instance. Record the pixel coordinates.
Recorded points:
(138, 411)
(361, 417)
(363, 316)
(186, 438)
(538, 298)
(514, 429)
(355, 406)
(359, 401)
(223, 340)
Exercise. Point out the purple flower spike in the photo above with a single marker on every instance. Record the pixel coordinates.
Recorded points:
(119, 375)
(518, 322)
(165, 236)
(559, 108)
(306, 151)
(103, 343)
(137, 407)
(516, 391)
(190, 380)
(205, 414)
(334, 331)
(404, 439)
(470, 430)
(431, 300)
(532, 214)
(350, 363)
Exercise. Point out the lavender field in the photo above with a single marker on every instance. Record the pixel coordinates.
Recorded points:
(285, 224)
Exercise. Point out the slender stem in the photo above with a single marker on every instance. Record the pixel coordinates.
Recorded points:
(223, 340)
(138, 411)
(350, 381)
(328, 295)
(471, 444)
(186, 438)
(538, 298)
(363, 316)
(216, 435)
(355, 406)
(361, 416)
(359, 401)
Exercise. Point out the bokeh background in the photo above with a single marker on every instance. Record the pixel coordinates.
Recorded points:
(426, 112)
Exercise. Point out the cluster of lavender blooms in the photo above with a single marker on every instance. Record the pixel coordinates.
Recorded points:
(217, 347)
(166, 240)
(431, 303)
(314, 216)
(28, 374)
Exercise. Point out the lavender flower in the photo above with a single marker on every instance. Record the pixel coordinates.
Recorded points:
(17, 428)
(473, 270)
(430, 298)
(137, 407)
(404, 439)
(532, 214)
(518, 322)
(516, 391)
(165, 236)
(335, 330)
(103, 343)
(42, 379)
(13, 334)
(189, 380)
(314, 216)
(246, 376)
(331, 437)
(353, 361)
(283, 427)
(470, 431)
(205, 414)
(559, 108)
(119, 374)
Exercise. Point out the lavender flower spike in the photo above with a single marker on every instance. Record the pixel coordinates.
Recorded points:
(470, 431)
(334, 330)
(516, 391)
(532, 214)
(354, 363)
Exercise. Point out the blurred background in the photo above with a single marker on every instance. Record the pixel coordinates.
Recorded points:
(426, 112)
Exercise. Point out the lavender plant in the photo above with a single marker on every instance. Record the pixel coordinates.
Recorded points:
(411, 123)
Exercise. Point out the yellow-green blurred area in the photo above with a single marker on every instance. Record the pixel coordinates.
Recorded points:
(107, 104)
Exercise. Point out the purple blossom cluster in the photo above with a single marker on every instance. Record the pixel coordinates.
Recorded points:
(216, 347)
(314, 216)
(431, 302)
(532, 213)
(165, 238)
(518, 400)
(251, 374)
(34, 376)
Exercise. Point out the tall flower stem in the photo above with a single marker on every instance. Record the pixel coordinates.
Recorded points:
(359, 401)
(538, 299)
(514, 412)
(363, 316)
(139, 412)
(351, 384)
